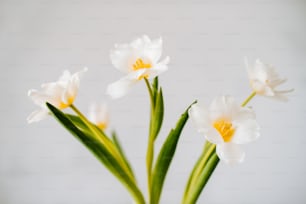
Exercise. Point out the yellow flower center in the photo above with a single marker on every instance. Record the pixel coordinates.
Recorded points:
(139, 64)
(63, 105)
(225, 129)
(102, 125)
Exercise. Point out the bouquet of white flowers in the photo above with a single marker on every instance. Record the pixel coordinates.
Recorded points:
(225, 124)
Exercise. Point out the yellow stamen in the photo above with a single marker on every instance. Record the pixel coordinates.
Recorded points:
(139, 64)
(225, 129)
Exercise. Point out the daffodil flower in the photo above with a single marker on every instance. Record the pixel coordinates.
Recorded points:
(264, 80)
(138, 60)
(60, 94)
(99, 115)
(226, 124)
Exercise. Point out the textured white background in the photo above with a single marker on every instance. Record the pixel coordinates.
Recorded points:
(206, 40)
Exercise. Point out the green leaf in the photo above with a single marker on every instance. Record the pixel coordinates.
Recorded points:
(202, 179)
(165, 157)
(158, 115)
(77, 121)
(155, 88)
(120, 149)
(200, 164)
(100, 152)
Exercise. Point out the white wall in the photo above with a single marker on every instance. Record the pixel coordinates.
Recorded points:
(206, 40)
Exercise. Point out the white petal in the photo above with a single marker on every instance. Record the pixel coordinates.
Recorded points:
(243, 114)
(230, 153)
(223, 107)
(65, 76)
(199, 115)
(157, 70)
(37, 115)
(261, 88)
(213, 136)
(72, 87)
(277, 82)
(153, 49)
(120, 87)
(280, 95)
(267, 91)
(121, 57)
(40, 98)
(98, 113)
(245, 131)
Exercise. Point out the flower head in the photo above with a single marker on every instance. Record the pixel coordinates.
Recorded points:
(226, 124)
(138, 60)
(60, 94)
(99, 115)
(264, 80)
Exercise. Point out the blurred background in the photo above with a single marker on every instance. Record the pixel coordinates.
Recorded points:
(206, 40)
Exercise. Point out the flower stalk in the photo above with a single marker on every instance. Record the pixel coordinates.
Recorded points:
(248, 99)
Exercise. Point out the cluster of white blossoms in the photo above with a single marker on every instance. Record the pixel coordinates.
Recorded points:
(224, 123)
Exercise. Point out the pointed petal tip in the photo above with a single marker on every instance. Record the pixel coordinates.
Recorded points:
(30, 92)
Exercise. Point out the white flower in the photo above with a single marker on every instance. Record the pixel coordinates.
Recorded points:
(99, 115)
(226, 124)
(138, 60)
(60, 94)
(264, 80)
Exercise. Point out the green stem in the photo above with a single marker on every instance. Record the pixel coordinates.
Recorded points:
(150, 92)
(246, 101)
(150, 149)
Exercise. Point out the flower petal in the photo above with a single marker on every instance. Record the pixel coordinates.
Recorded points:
(243, 114)
(98, 114)
(199, 115)
(153, 49)
(120, 87)
(246, 131)
(121, 57)
(230, 153)
(262, 88)
(72, 87)
(40, 98)
(213, 136)
(223, 107)
(65, 76)
(37, 115)
(158, 68)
